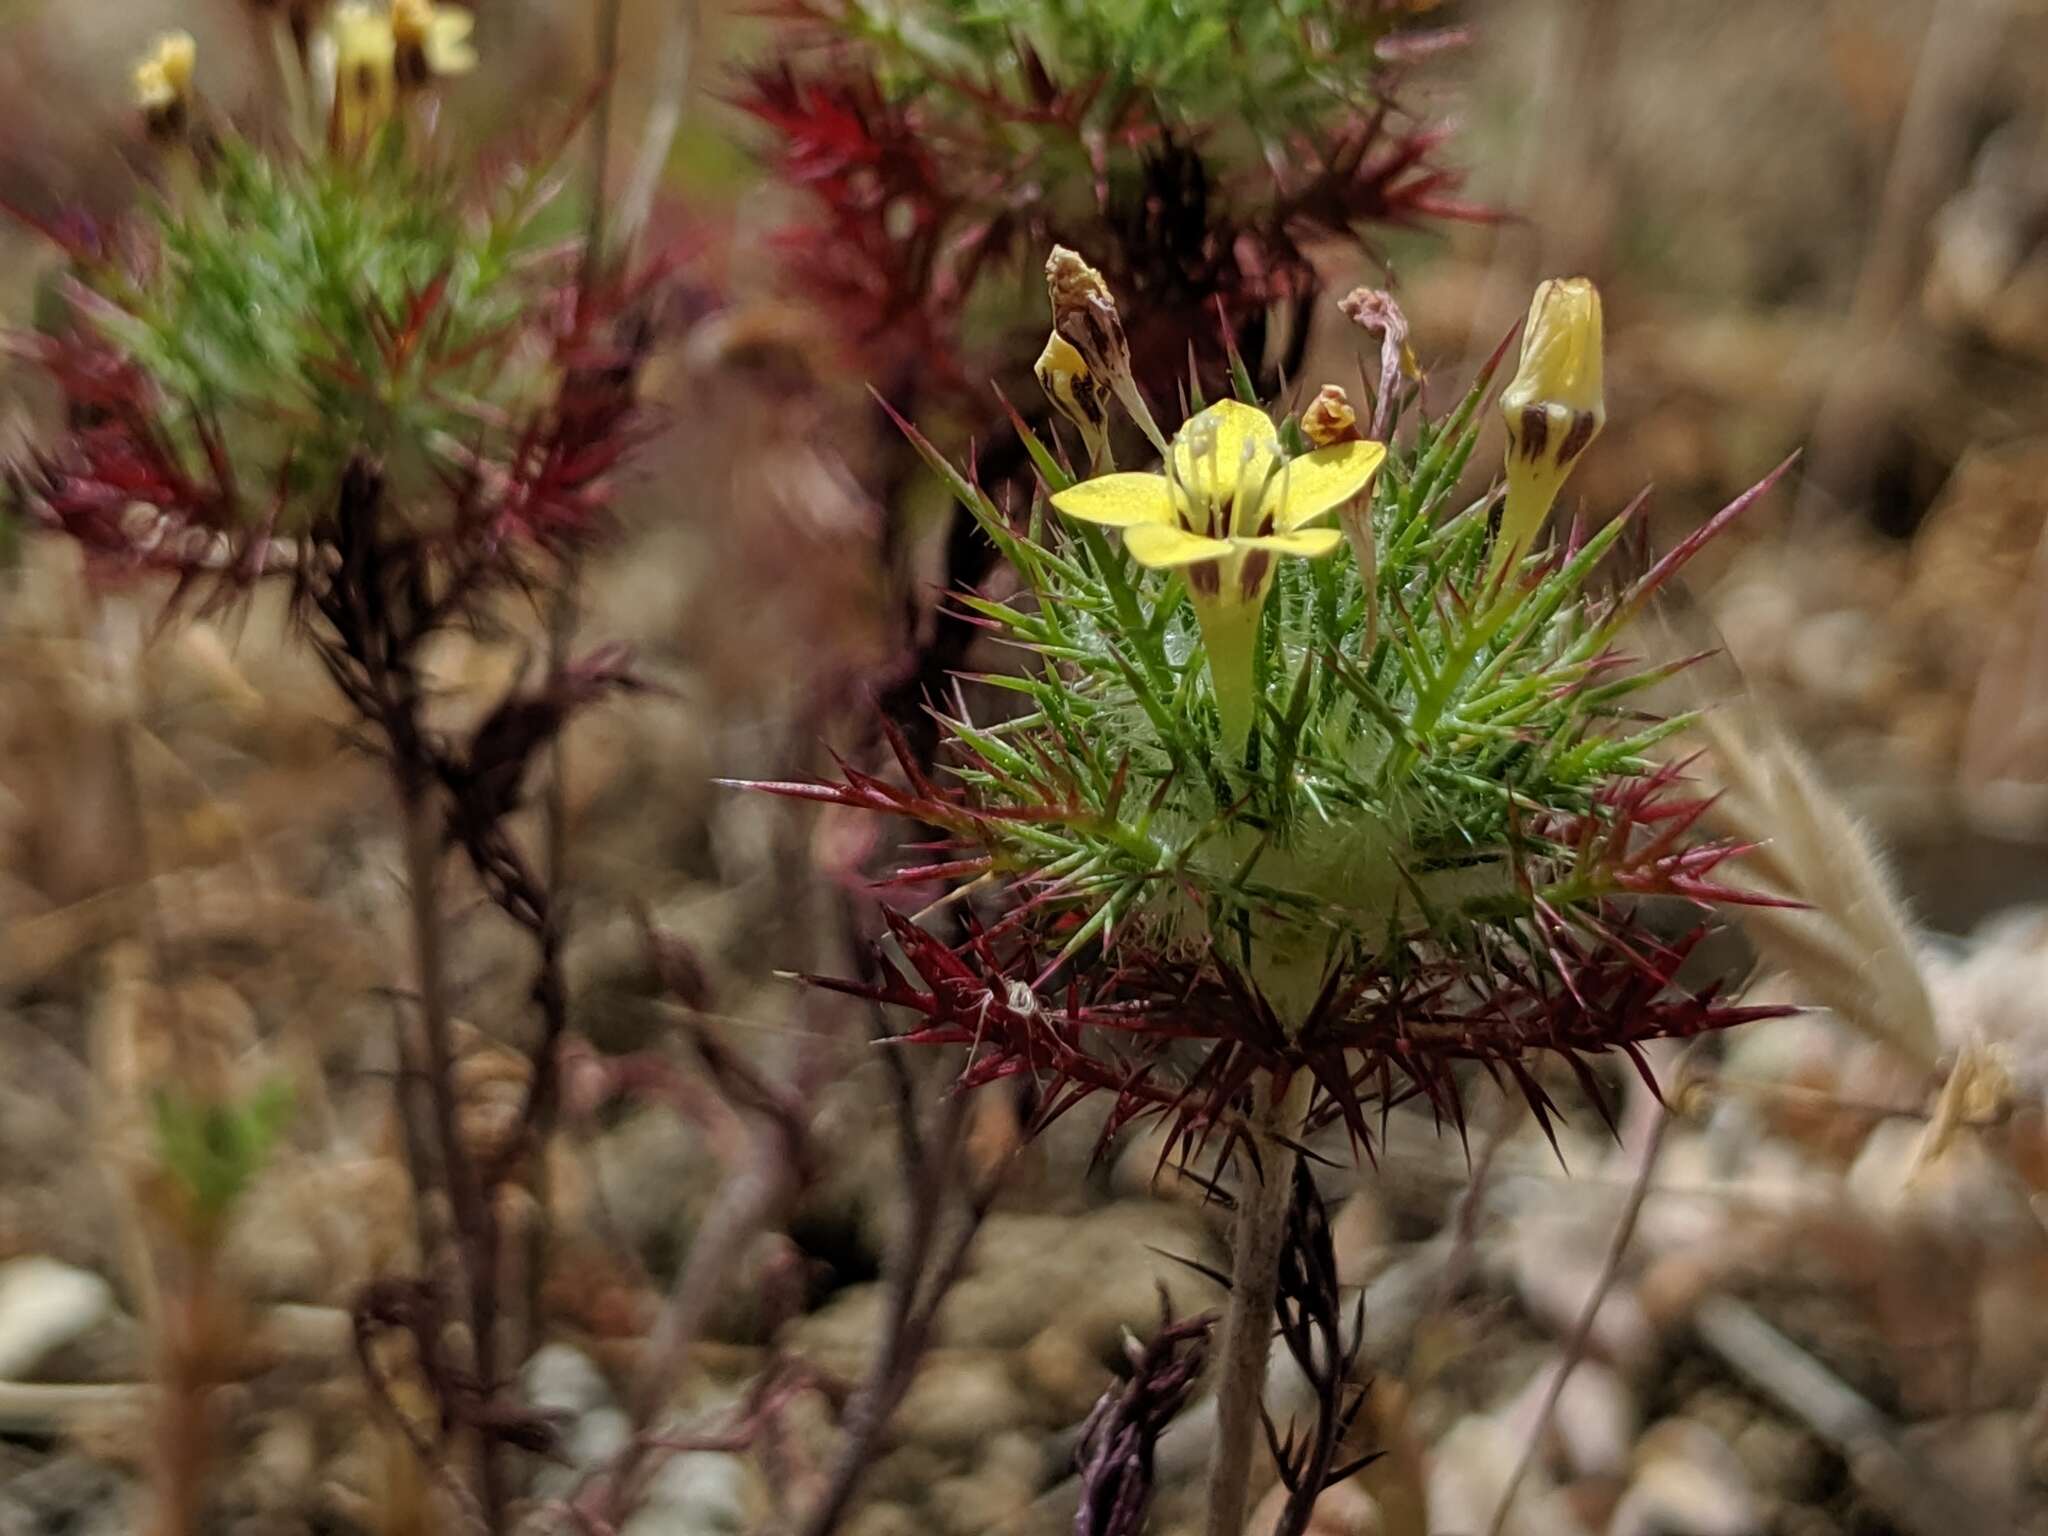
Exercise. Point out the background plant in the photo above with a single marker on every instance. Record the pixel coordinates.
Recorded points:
(361, 358)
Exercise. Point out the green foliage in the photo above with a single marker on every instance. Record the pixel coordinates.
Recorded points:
(213, 1150)
(1271, 64)
(1422, 738)
(295, 313)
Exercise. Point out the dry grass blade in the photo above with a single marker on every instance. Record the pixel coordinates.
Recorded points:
(1852, 944)
(664, 122)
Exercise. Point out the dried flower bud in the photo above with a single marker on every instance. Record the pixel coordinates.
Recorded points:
(1374, 311)
(1329, 418)
(163, 84)
(1084, 315)
(1078, 395)
(432, 41)
(1328, 421)
(365, 54)
(1552, 406)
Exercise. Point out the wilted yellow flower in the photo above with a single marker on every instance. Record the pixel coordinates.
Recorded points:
(163, 80)
(365, 71)
(432, 41)
(1084, 315)
(1228, 505)
(1552, 406)
(1080, 396)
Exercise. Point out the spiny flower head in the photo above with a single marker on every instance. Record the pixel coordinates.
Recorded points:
(1239, 828)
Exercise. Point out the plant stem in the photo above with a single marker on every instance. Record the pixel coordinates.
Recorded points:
(189, 1338)
(474, 1220)
(1262, 1204)
(551, 988)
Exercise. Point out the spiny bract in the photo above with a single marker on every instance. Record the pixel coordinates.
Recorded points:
(1426, 847)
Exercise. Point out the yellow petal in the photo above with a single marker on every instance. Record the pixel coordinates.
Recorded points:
(153, 89)
(449, 50)
(1309, 543)
(1227, 447)
(1119, 501)
(179, 56)
(163, 78)
(1314, 483)
(1163, 548)
(1561, 350)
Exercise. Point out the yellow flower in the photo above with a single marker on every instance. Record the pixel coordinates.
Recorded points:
(1080, 397)
(163, 79)
(433, 40)
(1553, 406)
(365, 72)
(1227, 506)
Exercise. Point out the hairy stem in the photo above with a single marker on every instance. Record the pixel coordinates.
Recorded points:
(1262, 1203)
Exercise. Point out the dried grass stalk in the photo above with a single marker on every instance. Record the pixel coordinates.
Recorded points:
(1852, 945)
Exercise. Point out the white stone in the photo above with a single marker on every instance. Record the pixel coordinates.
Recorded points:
(45, 1305)
(703, 1494)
